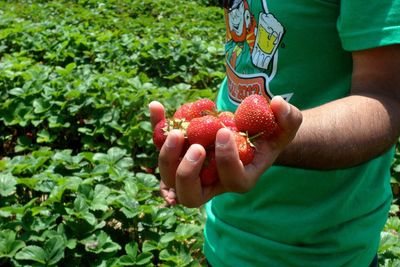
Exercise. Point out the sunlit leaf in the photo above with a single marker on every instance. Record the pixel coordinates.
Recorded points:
(32, 253)
(7, 184)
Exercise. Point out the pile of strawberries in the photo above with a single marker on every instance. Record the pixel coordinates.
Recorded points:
(200, 122)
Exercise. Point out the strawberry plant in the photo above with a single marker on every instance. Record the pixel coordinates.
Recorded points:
(78, 176)
(88, 209)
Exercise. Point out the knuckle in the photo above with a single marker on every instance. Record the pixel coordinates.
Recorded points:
(225, 156)
(180, 175)
(164, 161)
(297, 118)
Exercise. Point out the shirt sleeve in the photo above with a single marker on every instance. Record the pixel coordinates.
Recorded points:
(368, 24)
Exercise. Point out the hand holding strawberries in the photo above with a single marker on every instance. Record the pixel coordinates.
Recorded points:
(204, 153)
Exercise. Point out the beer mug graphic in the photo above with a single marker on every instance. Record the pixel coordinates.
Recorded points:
(269, 35)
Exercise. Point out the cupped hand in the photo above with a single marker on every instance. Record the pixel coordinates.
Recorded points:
(180, 175)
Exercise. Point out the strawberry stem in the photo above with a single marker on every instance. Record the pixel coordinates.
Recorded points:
(255, 136)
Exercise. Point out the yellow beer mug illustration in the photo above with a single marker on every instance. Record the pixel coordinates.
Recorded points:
(269, 35)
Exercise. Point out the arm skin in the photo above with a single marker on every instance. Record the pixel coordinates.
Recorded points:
(357, 128)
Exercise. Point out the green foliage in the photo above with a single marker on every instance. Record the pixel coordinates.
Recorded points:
(389, 249)
(90, 209)
(80, 75)
(78, 177)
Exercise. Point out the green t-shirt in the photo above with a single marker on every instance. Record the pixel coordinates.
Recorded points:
(301, 50)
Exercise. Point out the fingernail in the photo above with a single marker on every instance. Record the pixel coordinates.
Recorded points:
(193, 154)
(171, 140)
(151, 104)
(171, 194)
(286, 106)
(286, 110)
(222, 138)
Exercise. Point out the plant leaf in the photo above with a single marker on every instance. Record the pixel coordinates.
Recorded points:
(54, 249)
(131, 249)
(32, 253)
(8, 245)
(7, 184)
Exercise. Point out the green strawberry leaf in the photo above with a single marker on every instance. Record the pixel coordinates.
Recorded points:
(54, 249)
(8, 245)
(32, 253)
(7, 184)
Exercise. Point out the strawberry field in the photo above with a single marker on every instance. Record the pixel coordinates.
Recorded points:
(78, 176)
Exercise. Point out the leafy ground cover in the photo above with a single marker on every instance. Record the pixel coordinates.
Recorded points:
(78, 182)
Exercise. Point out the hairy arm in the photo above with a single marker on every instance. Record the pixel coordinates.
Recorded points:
(352, 130)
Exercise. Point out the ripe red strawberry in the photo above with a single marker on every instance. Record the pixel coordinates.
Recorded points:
(201, 108)
(160, 133)
(209, 172)
(203, 130)
(185, 147)
(163, 127)
(183, 112)
(245, 148)
(227, 118)
(255, 116)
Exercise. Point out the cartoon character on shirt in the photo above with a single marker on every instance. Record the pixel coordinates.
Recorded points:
(242, 26)
(253, 38)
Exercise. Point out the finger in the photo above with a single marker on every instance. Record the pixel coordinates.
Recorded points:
(169, 157)
(230, 169)
(171, 197)
(288, 118)
(157, 112)
(168, 194)
(188, 185)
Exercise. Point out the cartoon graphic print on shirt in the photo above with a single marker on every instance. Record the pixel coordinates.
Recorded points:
(252, 41)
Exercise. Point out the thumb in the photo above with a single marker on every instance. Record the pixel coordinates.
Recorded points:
(188, 184)
(288, 117)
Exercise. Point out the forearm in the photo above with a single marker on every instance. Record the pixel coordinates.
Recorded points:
(344, 133)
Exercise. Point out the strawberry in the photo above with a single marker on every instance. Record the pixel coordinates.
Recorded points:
(202, 107)
(185, 147)
(209, 172)
(160, 133)
(245, 148)
(227, 118)
(183, 112)
(198, 108)
(255, 117)
(163, 127)
(203, 130)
